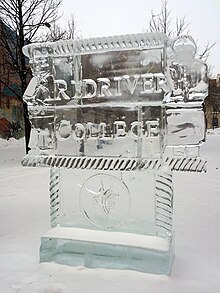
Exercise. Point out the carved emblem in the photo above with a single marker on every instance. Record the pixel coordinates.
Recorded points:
(105, 200)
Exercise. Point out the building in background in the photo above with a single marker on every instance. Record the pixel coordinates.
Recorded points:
(11, 106)
(212, 104)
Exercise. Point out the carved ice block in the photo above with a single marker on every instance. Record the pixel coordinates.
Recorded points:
(113, 117)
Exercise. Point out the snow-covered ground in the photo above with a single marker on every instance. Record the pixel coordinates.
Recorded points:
(24, 218)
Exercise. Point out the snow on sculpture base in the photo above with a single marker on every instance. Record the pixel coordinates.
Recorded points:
(112, 250)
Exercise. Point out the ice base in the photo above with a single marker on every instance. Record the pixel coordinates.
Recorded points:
(104, 249)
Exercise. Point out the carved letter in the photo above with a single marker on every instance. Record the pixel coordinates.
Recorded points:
(61, 90)
(79, 131)
(136, 129)
(131, 86)
(119, 128)
(148, 84)
(104, 88)
(118, 88)
(87, 84)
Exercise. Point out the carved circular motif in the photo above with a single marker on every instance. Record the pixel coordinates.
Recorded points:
(105, 200)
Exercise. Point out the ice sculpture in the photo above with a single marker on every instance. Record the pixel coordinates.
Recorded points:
(113, 117)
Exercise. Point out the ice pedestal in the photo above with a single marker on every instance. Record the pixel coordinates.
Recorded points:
(112, 250)
(107, 219)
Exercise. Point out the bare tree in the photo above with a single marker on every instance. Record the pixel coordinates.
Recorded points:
(162, 22)
(65, 32)
(204, 55)
(21, 21)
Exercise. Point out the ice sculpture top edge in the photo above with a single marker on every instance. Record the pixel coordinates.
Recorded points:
(80, 46)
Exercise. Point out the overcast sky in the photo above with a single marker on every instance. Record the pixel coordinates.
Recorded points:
(95, 18)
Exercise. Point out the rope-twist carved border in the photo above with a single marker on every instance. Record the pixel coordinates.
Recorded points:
(54, 196)
(164, 202)
(120, 164)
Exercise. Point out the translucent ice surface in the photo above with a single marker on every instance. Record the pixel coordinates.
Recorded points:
(113, 96)
(114, 117)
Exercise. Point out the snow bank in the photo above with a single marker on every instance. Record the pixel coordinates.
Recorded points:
(214, 131)
(11, 142)
(11, 151)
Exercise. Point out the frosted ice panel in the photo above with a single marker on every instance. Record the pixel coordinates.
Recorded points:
(42, 134)
(109, 131)
(106, 95)
(115, 69)
(122, 76)
(108, 201)
(185, 127)
(114, 76)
